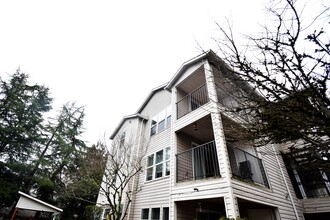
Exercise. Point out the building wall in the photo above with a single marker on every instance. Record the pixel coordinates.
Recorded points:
(154, 193)
(165, 191)
(277, 195)
(317, 205)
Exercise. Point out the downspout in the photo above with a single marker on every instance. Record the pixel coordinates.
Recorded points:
(286, 184)
(133, 184)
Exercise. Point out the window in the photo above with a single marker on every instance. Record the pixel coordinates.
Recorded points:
(158, 164)
(161, 121)
(155, 214)
(167, 161)
(145, 214)
(153, 126)
(106, 213)
(166, 213)
(150, 167)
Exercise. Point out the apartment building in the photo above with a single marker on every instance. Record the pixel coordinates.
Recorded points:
(196, 166)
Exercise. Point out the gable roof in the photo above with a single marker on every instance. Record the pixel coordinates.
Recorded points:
(216, 61)
(186, 65)
(137, 114)
(127, 117)
(212, 57)
(30, 203)
(151, 94)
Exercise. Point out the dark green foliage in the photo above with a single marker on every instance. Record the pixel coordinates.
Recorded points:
(21, 116)
(84, 190)
(37, 155)
(21, 121)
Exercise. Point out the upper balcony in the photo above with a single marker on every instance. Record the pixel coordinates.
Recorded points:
(191, 93)
(197, 156)
(307, 183)
(192, 101)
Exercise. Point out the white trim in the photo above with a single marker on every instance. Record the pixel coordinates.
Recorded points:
(21, 205)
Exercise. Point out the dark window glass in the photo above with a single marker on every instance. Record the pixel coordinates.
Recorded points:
(167, 171)
(150, 160)
(155, 213)
(168, 121)
(149, 173)
(145, 214)
(166, 213)
(153, 130)
(159, 156)
(159, 170)
(161, 125)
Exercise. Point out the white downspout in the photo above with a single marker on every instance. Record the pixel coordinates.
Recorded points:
(286, 183)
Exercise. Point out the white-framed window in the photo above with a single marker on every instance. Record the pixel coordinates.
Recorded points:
(161, 121)
(158, 164)
(144, 214)
(166, 213)
(167, 161)
(155, 213)
(150, 167)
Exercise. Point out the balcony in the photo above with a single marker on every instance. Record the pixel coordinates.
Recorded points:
(315, 185)
(197, 163)
(192, 101)
(246, 166)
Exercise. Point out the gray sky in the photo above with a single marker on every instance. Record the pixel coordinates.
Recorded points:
(108, 55)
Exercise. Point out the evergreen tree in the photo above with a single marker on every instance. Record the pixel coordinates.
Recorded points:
(22, 106)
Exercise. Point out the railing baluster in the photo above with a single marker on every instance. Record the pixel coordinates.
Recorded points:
(192, 101)
(203, 163)
(247, 166)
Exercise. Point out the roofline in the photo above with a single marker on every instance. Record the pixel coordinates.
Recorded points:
(153, 91)
(39, 201)
(185, 65)
(213, 59)
(122, 122)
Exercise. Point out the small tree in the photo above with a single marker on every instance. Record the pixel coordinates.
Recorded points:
(82, 186)
(120, 179)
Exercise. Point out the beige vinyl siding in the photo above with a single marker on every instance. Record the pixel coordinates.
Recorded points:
(132, 129)
(208, 188)
(317, 205)
(189, 71)
(192, 116)
(277, 195)
(159, 101)
(154, 193)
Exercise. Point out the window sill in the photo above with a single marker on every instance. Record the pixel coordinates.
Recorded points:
(158, 179)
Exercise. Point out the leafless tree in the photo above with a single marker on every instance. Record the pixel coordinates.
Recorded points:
(286, 67)
(120, 180)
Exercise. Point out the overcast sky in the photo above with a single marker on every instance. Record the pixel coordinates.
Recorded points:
(108, 55)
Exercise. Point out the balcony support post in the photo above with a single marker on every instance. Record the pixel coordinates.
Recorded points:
(231, 204)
